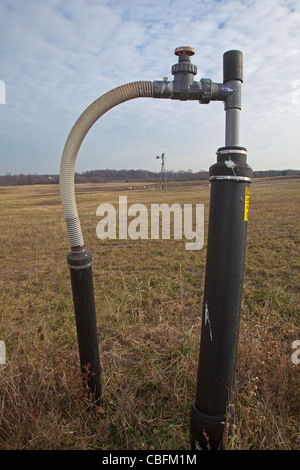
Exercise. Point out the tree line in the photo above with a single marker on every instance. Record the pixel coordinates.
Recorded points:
(102, 176)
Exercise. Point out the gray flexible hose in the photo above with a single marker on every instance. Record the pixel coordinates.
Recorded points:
(76, 136)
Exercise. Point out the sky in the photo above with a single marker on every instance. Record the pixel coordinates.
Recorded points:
(57, 57)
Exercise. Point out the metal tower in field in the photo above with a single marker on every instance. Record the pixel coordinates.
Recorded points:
(163, 176)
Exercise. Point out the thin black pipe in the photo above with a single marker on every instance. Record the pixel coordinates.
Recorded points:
(80, 264)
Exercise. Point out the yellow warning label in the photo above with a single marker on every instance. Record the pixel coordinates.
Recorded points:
(247, 197)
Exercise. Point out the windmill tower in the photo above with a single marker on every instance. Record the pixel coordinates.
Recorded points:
(162, 176)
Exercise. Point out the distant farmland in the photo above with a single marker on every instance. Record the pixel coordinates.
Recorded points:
(149, 303)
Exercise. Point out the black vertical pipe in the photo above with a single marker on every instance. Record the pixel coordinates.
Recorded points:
(80, 264)
(229, 199)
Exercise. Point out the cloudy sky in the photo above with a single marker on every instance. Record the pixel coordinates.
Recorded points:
(57, 57)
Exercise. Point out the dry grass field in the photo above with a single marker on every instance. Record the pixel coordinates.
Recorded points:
(149, 300)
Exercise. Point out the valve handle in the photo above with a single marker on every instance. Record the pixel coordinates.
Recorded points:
(184, 50)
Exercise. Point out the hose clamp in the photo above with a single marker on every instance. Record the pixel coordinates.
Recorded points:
(229, 177)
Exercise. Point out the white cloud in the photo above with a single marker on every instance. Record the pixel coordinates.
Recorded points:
(57, 57)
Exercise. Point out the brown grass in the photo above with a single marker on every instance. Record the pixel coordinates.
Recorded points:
(148, 297)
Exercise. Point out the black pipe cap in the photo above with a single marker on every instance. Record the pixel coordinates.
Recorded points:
(233, 66)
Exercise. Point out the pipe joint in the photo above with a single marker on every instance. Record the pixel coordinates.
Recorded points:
(231, 164)
(180, 89)
(205, 430)
(79, 259)
(234, 98)
(184, 87)
(203, 91)
(208, 431)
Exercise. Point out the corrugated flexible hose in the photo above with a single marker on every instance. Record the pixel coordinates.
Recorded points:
(129, 91)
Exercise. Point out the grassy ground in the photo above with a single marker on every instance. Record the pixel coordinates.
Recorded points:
(149, 298)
